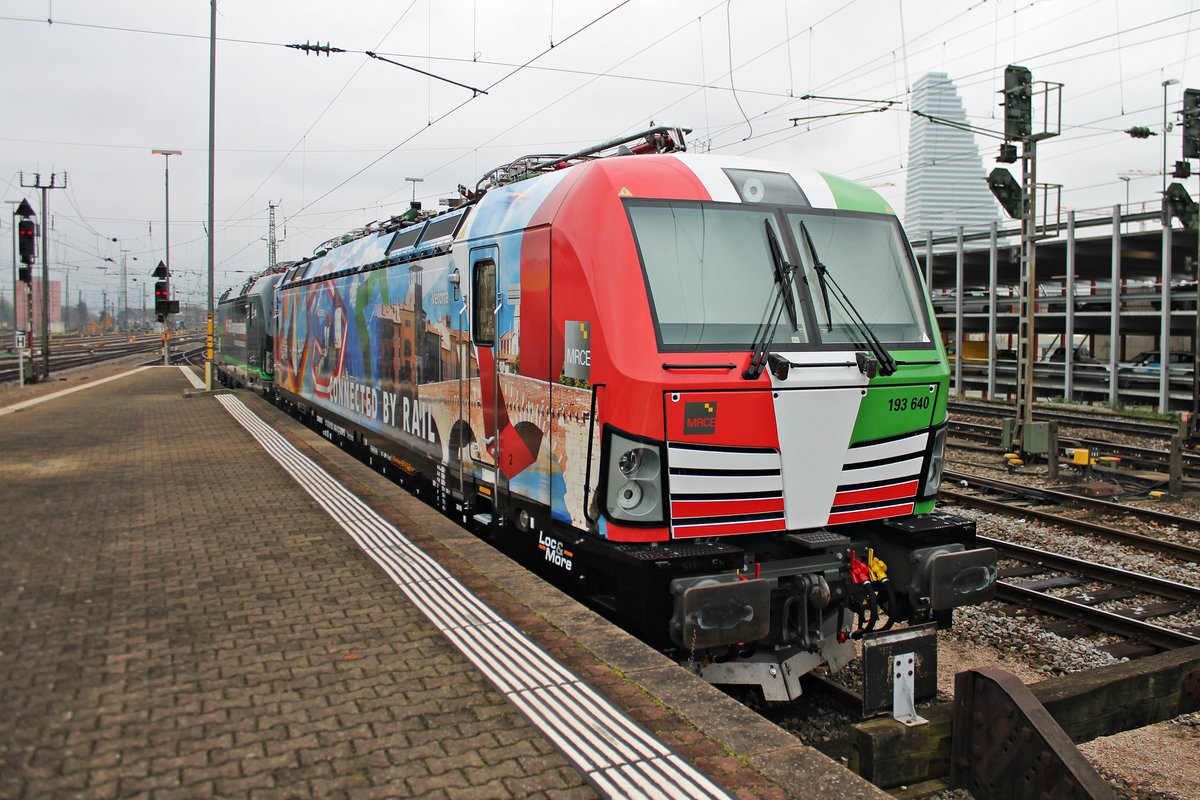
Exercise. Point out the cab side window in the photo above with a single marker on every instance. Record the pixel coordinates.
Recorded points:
(483, 303)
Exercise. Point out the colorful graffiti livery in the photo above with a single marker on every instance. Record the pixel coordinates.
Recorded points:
(673, 382)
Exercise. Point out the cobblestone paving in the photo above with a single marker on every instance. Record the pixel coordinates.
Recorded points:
(158, 640)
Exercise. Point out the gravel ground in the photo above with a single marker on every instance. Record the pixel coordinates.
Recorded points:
(1158, 762)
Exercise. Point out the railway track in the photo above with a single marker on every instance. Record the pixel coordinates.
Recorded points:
(973, 435)
(1075, 419)
(1005, 497)
(1033, 494)
(1117, 586)
(1088, 594)
(71, 354)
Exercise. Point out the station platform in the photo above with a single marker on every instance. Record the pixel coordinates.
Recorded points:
(200, 598)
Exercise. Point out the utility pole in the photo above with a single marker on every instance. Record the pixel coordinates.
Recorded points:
(271, 241)
(37, 184)
(212, 149)
(124, 317)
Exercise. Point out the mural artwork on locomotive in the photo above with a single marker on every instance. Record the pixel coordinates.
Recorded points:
(385, 349)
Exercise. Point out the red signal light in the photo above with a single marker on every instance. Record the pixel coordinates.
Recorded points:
(26, 230)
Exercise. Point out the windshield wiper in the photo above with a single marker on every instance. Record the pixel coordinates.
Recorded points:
(887, 364)
(821, 278)
(782, 298)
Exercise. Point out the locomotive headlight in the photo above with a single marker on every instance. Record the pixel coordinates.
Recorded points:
(639, 498)
(630, 495)
(937, 455)
(639, 462)
(630, 461)
(634, 480)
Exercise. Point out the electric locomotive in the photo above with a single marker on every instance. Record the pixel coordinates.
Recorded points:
(705, 393)
(243, 341)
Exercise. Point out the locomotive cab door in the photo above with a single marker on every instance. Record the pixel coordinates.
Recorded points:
(485, 302)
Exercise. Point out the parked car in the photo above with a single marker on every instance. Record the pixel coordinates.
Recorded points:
(1084, 366)
(1059, 354)
(1147, 366)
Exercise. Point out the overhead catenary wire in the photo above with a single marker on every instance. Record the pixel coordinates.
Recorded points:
(324, 110)
(494, 84)
(714, 85)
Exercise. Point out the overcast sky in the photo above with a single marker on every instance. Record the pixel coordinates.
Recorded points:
(331, 139)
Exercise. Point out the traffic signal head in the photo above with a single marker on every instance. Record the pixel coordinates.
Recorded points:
(1018, 102)
(1006, 189)
(1191, 123)
(23, 274)
(27, 236)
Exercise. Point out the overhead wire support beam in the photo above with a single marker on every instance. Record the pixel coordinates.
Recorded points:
(960, 126)
(836, 99)
(474, 92)
(796, 120)
(882, 105)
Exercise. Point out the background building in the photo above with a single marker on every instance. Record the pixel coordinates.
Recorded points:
(56, 318)
(946, 182)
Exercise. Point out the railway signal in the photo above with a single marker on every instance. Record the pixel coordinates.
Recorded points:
(1018, 102)
(1006, 189)
(1020, 201)
(163, 304)
(1181, 206)
(1191, 123)
(27, 235)
(27, 240)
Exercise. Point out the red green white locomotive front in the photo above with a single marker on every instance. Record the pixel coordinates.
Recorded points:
(707, 393)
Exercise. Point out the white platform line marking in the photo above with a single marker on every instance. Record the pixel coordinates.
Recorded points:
(616, 754)
(33, 401)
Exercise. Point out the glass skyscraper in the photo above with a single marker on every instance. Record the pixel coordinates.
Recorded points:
(946, 185)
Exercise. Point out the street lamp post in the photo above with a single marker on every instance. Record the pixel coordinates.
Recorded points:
(166, 154)
(1126, 178)
(1165, 84)
(1164, 347)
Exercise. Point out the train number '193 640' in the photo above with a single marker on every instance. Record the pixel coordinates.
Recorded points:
(914, 403)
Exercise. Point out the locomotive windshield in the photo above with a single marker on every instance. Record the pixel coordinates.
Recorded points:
(868, 259)
(710, 276)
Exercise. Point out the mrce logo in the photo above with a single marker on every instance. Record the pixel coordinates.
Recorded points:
(700, 418)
